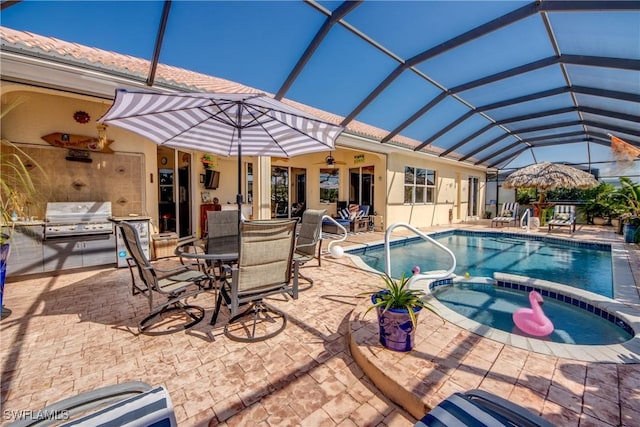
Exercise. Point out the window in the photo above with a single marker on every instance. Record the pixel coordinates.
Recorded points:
(249, 186)
(361, 186)
(329, 185)
(419, 185)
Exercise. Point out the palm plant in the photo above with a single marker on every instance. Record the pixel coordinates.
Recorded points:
(630, 193)
(397, 295)
(16, 184)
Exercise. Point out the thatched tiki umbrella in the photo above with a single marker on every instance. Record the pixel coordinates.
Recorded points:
(548, 176)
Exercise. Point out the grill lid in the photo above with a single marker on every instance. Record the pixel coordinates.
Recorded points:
(77, 212)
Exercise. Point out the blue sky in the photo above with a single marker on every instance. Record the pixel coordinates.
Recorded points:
(258, 43)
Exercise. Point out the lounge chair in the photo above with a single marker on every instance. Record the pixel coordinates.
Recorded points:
(563, 216)
(309, 242)
(358, 217)
(509, 214)
(176, 284)
(132, 404)
(264, 269)
(480, 408)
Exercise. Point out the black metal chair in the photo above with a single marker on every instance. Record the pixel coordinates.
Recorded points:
(264, 269)
(176, 284)
(309, 242)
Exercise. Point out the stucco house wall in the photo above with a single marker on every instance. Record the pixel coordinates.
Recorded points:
(451, 191)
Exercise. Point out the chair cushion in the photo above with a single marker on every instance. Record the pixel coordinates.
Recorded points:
(458, 411)
(151, 408)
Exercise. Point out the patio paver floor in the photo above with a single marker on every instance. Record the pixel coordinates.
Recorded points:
(75, 332)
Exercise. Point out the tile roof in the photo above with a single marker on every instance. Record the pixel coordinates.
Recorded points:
(137, 67)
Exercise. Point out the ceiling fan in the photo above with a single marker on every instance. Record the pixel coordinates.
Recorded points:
(330, 161)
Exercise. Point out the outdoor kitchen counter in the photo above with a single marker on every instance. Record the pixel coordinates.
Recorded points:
(27, 222)
(130, 218)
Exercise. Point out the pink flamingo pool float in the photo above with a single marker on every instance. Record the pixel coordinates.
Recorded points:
(533, 320)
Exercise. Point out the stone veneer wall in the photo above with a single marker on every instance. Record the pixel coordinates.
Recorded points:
(118, 178)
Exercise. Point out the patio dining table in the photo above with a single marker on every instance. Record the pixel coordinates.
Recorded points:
(209, 254)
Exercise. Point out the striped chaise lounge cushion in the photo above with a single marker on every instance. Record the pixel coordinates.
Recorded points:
(134, 404)
(480, 408)
(509, 213)
(563, 216)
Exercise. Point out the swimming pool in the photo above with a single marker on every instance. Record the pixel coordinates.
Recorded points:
(583, 265)
(493, 306)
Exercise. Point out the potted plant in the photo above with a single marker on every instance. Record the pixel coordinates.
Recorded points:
(629, 193)
(597, 209)
(397, 307)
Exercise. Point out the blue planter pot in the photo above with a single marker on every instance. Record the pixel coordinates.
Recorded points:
(4, 255)
(396, 330)
(630, 231)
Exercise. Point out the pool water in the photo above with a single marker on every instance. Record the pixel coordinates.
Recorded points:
(494, 307)
(481, 255)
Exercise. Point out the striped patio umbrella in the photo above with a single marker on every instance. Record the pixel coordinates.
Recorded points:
(227, 124)
(548, 176)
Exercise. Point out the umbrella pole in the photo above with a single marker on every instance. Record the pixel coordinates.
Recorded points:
(239, 195)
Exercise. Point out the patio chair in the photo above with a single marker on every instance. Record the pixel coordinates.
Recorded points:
(309, 242)
(174, 284)
(563, 216)
(358, 217)
(264, 269)
(131, 404)
(480, 408)
(508, 214)
(222, 223)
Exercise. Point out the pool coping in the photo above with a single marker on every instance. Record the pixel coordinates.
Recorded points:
(625, 305)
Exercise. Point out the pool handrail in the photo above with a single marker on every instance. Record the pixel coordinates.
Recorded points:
(419, 276)
(522, 218)
(340, 226)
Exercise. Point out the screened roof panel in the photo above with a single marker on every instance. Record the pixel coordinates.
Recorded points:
(401, 67)
(405, 96)
(522, 84)
(627, 81)
(578, 152)
(418, 25)
(462, 130)
(612, 121)
(214, 28)
(598, 33)
(492, 143)
(356, 67)
(558, 128)
(602, 153)
(446, 111)
(612, 171)
(599, 131)
(521, 159)
(608, 104)
(522, 125)
(503, 49)
(493, 134)
(542, 104)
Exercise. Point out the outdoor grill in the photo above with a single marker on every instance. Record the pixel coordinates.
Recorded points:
(69, 219)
